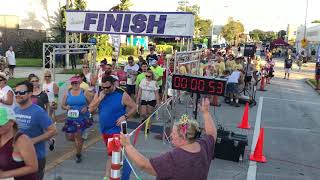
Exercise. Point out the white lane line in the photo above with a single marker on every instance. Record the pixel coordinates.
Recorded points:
(252, 170)
(292, 100)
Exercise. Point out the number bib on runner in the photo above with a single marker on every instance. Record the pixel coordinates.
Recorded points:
(73, 114)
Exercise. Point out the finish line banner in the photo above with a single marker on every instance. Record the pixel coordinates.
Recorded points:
(132, 23)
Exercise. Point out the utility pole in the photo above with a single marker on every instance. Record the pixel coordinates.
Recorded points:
(67, 40)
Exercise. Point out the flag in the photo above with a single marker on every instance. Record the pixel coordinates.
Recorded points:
(61, 83)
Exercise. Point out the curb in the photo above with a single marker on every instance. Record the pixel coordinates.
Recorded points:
(313, 86)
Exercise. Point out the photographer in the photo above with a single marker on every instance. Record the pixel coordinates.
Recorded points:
(192, 155)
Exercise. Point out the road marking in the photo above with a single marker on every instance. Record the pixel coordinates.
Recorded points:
(292, 100)
(252, 170)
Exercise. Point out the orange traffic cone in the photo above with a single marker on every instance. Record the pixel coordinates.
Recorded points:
(244, 124)
(258, 151)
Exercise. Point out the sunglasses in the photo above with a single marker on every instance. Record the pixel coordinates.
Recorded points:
(34, 81)
(106, 87)
(47, 76)
(84, 67)
(20, 93)
(148, 76)
(74, 83)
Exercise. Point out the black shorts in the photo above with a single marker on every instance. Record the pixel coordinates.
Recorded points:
(12, 66)
(152, 103)
(248, 78)
(131, 89)
(160, 89)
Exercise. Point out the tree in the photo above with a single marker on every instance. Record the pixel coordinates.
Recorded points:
(257, 35)
(316, 21)
(124, 5)
(270, 36)
(202, 27)
(232, 30)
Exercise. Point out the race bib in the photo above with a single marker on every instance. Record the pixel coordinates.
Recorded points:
(73, 114)
(129, 80)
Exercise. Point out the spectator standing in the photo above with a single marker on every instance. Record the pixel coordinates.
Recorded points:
(6, 93)
(52, 90)
(33, 121)
(192, 155)
(232, 88)
(11, 58)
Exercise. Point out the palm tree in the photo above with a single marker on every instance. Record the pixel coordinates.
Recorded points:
(124, 5)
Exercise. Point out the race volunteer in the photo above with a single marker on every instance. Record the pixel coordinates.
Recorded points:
(192, 155)
(115, 106)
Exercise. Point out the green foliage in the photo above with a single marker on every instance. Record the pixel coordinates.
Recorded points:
(232, 30)
(29, 62)
(270, 36)
(123, 6)
(14, 81)
(167, 49)
(316, 21)
(128, 50)
(30, 49)
(259, 35)
(202, 26)
(103, 47)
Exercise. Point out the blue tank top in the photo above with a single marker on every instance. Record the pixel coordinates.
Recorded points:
(110, 110)
(77, 103)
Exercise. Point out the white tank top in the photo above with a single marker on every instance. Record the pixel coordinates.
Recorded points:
(4, 95)
(48, 88)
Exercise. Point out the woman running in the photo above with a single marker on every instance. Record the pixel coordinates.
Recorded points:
(52, 90)
(18, 159)
(148, 96)
(75, 101)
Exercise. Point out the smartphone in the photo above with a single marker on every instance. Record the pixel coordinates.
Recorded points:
(124, 127)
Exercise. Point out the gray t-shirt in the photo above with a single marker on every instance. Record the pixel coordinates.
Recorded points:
(179, 164)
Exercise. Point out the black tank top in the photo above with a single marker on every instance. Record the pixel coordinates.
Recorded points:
(8, 163)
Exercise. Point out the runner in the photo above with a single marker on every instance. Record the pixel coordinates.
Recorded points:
(75, 101)
(148, 96)
(40, 98)
(52, 90)
(287, 67)
(18, 159)
(33, 121)
(152, 56)
(101, 71)
(6, 93)
(90, 80)
(317, 77)
(192, 155)
(112, 103)
(158, 74)
(270, 70)
(132, 70)
(141, 76)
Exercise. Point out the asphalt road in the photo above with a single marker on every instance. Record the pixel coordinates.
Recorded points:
(289, 114)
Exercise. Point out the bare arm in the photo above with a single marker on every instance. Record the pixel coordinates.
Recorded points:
(55, 89)
(209, 125)
(28, 153)
(96, 101)
(128, 102)
(136, 157)
(138, 96)
(156, 92)
(9, 100)
(50, 132)
(63, 102)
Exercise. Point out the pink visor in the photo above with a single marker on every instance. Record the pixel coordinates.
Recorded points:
(74, 79)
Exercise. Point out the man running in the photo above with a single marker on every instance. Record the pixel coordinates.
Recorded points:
(287, 67)
(33, 121)
(112, 103)
(132, 70)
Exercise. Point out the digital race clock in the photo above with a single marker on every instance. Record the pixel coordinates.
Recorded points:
(199, 84)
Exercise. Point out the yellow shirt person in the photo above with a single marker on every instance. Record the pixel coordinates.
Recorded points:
(237, 67)
(220, 68)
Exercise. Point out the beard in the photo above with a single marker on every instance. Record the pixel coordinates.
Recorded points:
(23, 101)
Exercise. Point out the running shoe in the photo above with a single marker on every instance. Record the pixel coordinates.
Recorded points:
(78, 158)
(51, 144)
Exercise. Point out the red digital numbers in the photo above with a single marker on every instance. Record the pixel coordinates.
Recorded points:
(220, 88)
(201, 85)
(212, 87)
(176, 82)
(193, 85)
(184, 83)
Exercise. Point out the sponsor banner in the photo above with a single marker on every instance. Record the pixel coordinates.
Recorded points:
(133, 23)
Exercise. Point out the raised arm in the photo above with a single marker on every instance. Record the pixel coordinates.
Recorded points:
(209, 126)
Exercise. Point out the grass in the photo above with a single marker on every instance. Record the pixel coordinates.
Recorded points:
(70, 71)
(313, 81)
(29, 62)
(13, 82)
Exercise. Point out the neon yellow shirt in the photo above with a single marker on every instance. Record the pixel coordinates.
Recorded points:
(158, 72)
(140, 77)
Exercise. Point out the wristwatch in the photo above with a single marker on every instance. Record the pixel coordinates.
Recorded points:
(126, 116)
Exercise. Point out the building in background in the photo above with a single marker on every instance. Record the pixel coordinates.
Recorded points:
(291, 34)
(216, 35)
(312, 36)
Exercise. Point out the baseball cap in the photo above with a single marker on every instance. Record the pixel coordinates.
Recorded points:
(103, 62)
(6, 114)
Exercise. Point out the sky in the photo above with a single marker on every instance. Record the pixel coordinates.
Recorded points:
(254, 14)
